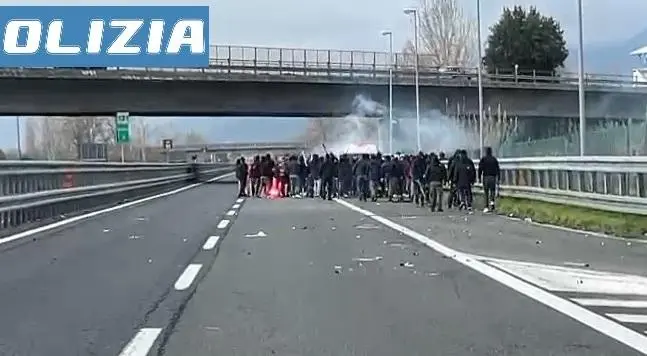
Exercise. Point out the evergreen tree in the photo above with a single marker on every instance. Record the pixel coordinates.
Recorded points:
(528, 39)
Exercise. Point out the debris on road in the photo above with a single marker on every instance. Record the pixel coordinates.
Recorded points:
(106, 230)
(367, 259)
(407, 264)
(576, 264)
(134, 237)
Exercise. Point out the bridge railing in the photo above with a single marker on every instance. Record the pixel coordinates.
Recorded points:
(33, 191)
(292, 64)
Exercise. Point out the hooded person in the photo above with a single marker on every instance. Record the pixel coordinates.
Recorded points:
(436, 175)
(418, 168)
(489, 173)
(362, 171)
(465, 176)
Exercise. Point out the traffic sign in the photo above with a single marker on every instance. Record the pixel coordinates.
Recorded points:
(122, 125)
(167, 144)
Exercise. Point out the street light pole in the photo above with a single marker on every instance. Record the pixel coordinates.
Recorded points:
(390, 35)
(18, 138)
(479, 75)
(414, 12)
(581, 79)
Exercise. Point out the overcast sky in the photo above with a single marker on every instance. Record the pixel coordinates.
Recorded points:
(356, 24)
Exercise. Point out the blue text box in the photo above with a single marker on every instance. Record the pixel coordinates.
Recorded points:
(179, 36)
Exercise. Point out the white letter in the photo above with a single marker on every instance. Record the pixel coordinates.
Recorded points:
(95, 36)
(12, 32)
(54, 36)
(195, 39)
(129, 30)
(155, 37)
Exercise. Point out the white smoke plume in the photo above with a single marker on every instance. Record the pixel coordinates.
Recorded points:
(438, 132)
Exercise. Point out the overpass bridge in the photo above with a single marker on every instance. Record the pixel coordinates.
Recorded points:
(240, 147)
(256, 81)
(226, 151)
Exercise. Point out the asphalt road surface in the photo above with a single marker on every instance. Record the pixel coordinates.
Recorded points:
(85, 289)
(205, 273)
(312, 277)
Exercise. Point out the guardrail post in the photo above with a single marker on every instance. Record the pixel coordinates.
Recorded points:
(305, 62)
(352, 60)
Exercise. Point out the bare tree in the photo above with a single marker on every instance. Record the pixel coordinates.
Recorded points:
(446, 36)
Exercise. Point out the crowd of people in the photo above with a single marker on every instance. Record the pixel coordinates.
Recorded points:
(420, 178)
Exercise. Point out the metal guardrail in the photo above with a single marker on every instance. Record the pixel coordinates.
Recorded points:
(31, 191)
(240, 63)
(611, 183)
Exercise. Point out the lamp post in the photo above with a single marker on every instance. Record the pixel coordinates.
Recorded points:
(479, 75)
(580, 81)
(390, 35)
(18, 138)
(414, 12)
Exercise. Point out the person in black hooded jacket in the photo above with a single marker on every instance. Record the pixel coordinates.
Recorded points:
(362, 171)
(465, 176)
(241, 176)
(417, 175)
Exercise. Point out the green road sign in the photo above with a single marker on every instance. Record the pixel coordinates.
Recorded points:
(122, 124)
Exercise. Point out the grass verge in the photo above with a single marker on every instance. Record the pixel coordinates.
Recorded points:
(617, 224)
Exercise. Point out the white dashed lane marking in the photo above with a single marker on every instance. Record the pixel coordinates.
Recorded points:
(235, 206)
(211, 242)
(231, 213)
(223, 224)
(141, 343)
(187, 277)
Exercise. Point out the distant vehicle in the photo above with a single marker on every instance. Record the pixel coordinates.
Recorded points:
(454, 72)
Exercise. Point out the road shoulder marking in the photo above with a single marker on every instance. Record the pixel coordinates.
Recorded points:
(141, 343)
(598, 322)
(77, 218)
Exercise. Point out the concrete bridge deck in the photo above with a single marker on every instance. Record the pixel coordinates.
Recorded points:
(300, 82)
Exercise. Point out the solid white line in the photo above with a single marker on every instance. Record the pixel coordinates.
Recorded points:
(231, 213)
(240, 200)
(223, 223)
(141, 343)
(235, 206)
(593, 302)
(211, 242)
(100, 212)
(604, 325)
(186, 278)
(630, 318)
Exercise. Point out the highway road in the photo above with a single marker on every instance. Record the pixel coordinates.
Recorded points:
(205, 273)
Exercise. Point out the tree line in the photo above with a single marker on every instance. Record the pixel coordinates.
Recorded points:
(522, 40)
(61, 138)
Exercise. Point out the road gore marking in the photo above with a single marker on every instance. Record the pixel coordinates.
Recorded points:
(141, 342)
(186, 278)
(598, 322)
